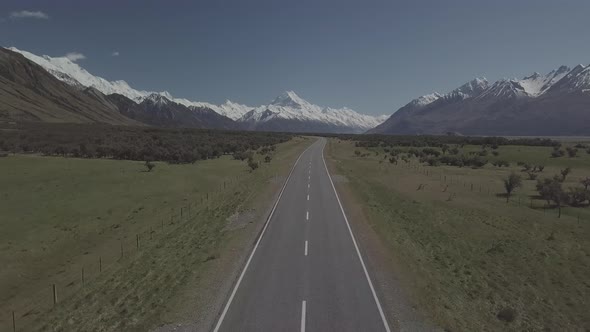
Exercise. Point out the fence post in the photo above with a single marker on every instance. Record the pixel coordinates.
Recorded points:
(121, 248)
(100, 264)
(54, 295)
(82, 277)
(13, 322)
(137, 240)
(150, 232)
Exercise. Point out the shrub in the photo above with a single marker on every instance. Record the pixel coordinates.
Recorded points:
(556, 153)
(532, 175)
(267, 159)
(571, 152)
(495, 153)
(149, 165)
(252, 164)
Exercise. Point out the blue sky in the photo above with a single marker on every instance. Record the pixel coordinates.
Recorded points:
(372, 56)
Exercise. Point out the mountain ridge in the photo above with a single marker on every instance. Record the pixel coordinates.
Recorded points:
(343, 119)
(534, 105)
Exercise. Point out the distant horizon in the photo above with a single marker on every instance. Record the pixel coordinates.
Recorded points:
(372, 57)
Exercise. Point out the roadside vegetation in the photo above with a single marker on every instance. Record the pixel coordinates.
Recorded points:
(489, 233)
(177, 146)
(120, 239)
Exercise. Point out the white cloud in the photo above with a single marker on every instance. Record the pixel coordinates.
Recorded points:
(75, 56)
(29, 14)
(115, 53)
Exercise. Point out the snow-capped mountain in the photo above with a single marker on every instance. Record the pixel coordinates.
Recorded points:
(290, 112)
(288, 106)
(556, 103)
(71, 73)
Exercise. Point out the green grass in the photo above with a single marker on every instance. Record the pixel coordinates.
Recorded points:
(465, 254)
(62, 215)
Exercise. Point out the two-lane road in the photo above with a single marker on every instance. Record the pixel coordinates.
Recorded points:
(305, 273)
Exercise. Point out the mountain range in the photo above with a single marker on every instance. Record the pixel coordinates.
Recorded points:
(288, 112)
(554, 104)
(56, 89)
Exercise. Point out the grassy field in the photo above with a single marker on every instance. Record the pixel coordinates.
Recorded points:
(117, 241)
(471, 261)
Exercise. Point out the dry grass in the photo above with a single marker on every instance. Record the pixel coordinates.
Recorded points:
(471, 261)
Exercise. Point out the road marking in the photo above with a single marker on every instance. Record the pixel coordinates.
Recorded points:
(308, 197)
(385, 324)
(303, 309)
(233, 293)
(308, 177)
(308, 186)
(307, 215)
(305, 248)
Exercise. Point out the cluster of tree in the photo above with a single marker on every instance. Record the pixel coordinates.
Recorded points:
(571, 152)
(552, 191)
(135, 143)
(440, 141)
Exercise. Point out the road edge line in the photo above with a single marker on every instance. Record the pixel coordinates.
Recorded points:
(235, 289)
(385, 324)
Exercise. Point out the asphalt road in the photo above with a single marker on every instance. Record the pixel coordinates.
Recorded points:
(305, 273)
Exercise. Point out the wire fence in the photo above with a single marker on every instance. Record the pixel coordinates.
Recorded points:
(27, 309)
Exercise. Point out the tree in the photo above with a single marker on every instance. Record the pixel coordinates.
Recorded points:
(357, 152)
(564, 173)
(444, 148)
(149, 165)
(511, 183)
(551, 190)
(586, 183)
(578, 196)
(267, 159)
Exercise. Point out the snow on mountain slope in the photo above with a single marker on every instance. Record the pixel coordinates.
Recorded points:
(289, 106)
(71, 73)
(286, 106)
(578, 79)
(537, 84)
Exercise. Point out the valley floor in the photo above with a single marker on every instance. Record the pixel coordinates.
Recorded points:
(126, 249)
(467, 260)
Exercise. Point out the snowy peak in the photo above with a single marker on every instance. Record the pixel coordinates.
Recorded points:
(578, 79)
(425, 100)
(289, 106)
(536, 84)
(157, 99)
(504, 89)
(290, 99)
(472, 88)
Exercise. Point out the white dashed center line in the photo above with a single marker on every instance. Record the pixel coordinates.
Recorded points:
(305, 248)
